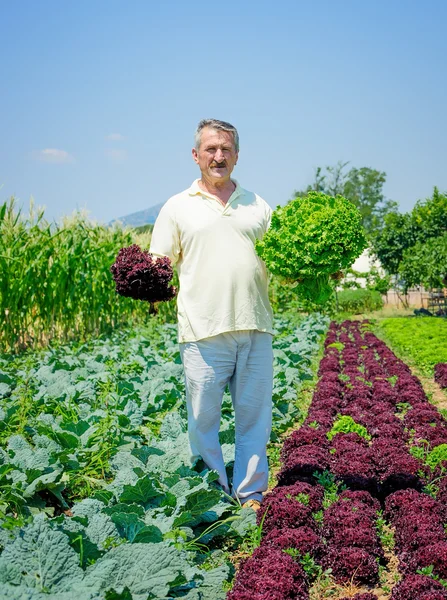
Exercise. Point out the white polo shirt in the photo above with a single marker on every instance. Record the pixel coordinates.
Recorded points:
(223, 282)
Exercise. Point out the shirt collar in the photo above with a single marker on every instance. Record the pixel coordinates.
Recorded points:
(195, 189)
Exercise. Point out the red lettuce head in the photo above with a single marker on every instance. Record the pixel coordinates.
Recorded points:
(137, 274)
(419, 587)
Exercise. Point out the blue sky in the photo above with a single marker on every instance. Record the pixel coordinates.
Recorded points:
(99, 99)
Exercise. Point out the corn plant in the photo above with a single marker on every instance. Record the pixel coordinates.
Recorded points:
(55, 281)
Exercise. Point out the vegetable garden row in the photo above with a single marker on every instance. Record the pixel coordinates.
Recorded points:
(372, 452)
(97, 496)
(98, 499)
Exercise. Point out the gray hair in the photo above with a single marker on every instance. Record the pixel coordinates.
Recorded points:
(215, 124)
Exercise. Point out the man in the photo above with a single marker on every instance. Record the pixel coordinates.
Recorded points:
(224, 315)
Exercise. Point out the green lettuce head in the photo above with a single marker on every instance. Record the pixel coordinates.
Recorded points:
(310, 239)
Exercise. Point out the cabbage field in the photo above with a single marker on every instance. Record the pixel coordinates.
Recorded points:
(97, 498)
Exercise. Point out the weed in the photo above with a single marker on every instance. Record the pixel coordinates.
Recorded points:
(402, 409)
(331, 487)
(302, 498)
(428, 572)
(393, 379)
(385, 533)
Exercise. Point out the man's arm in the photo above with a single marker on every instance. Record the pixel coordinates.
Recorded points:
(165, 239)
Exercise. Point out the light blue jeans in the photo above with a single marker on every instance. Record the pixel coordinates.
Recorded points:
(244, 361)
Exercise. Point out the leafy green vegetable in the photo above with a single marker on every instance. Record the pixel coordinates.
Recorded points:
(346, 424)
(41, 558)
(436, 456)
(422, 340)
(311, 238)
(98, 436)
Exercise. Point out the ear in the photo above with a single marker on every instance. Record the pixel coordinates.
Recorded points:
(195, 156)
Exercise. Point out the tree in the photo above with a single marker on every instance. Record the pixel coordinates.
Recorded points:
(393, 239)
(425, 263)
(401, 232)
(363, 187)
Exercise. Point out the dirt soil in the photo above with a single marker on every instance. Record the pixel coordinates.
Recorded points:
(435, 393)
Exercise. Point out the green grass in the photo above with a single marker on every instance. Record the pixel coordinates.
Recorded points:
(423, 340)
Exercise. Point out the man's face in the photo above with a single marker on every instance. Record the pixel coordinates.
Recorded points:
(217, 154)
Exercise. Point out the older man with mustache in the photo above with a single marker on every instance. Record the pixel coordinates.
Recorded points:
(224, 315)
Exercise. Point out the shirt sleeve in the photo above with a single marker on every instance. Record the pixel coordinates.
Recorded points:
(165, 239)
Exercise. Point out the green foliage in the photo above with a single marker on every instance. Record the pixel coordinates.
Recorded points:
(56, 282)
(94, 438)
(331, 487)
(359, 301)
(362, 186)
(384, 532)
(425, 263)
(346, 424)
(301, 498)
(311, 238)
(338, 345)
(372, 280)
(377, 282)
(437, 456)
(311, 568)
(284, 298)
(422, 340)
(428, 219)
(148, 228)
(429, 572)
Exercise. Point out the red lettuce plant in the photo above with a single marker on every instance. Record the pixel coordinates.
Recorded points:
(138, 275)
(352, 564)
(441, 374)
(269, 574)
(303, 437)
(304, 539)
(302, 463)
(414, 532)
(419, 587)
(441, 496)
(404, 502)
(362, 497)
(301, 492)
(434, 555)
(283, 512)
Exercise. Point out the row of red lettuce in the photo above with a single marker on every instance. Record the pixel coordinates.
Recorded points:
(373, 461)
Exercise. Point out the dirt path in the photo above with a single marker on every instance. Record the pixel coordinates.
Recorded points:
(435, 393)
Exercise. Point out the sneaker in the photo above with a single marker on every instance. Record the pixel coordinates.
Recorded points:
(254, 504)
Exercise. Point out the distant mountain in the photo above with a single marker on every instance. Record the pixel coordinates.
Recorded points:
(142, 217)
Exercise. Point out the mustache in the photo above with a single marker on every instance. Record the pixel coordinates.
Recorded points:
(221, 164)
